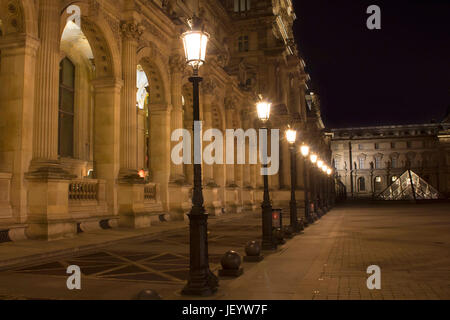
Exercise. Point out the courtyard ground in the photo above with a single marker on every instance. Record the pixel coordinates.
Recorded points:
(409, 242)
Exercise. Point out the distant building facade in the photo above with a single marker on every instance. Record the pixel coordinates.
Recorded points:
(369, 159)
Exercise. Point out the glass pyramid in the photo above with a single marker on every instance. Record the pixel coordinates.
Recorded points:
(409, 186)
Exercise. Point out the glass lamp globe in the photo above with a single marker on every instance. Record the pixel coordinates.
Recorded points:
(304, 150)
(291, 136)
(320, 164)
(263, 109)
(195, 42)
(313, 158)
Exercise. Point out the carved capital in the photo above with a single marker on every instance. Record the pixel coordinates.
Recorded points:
(208, 86)
(230, 103)
(177, 63)
(131, 30)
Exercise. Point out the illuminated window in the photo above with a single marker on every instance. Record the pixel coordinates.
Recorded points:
(66, 108)
(394, 178)
(378, 179)
(242, 5)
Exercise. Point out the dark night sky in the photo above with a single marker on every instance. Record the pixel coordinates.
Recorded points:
(397, 75)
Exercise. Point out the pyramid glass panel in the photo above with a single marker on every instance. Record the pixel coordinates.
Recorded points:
(409, 186)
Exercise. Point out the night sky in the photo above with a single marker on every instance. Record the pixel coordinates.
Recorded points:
(397, 75)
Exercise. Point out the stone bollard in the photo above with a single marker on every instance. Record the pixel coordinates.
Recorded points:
(253, 252)
(278, 236)
(148, 294)
(231, 262)
(288, 232)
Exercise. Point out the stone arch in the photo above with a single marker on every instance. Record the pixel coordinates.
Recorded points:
(157, 87)
(18, 16)
(104, 45)
(153, 65)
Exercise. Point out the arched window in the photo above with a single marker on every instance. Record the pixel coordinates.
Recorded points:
(243, 43)
(66, 108)
(362, 184)
(242, 5)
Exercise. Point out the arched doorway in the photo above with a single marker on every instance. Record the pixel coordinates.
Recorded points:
(362, 184)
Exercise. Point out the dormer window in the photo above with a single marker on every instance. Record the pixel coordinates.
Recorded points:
(241, 5)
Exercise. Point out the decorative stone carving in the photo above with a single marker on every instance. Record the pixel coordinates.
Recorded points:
(13, 17)
(131, 30)
(177, 63)
(209, 86)
(230, 103)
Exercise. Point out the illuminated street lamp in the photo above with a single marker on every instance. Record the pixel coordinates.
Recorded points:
(319, 164)
(201, 282)
(291, 137)
(268, 243)
(313, 158)
(304, 149)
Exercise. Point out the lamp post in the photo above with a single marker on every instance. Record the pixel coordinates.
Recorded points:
(268, 243)
(304, 149)
(314, 159)
(320, 208)
(291, 137)
(201, 282)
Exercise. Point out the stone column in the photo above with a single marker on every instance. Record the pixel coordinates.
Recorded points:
(18, 59)
(128, 120)
(208, 88)
(177, 65)
(45, 135)
(285, 172)
(131, 186)
(48, 183)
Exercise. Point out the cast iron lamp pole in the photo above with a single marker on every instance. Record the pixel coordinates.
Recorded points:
(268, 243)
(305, 152)
(201, 282)
(313, 177)
(325, 188)
(320, 187)
(291, 137)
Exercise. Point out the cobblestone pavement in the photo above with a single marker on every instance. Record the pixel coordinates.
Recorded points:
(410, 243)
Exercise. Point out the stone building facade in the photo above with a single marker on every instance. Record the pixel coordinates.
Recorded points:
(88, 104)
(369, 159)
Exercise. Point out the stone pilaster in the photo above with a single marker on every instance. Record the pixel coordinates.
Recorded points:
(177, 65)
(160, 149)
(18, 60)
(106, 135)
